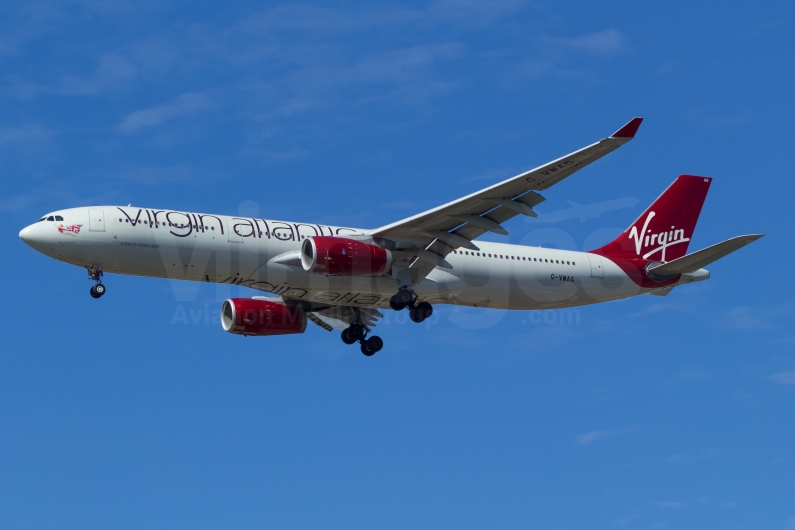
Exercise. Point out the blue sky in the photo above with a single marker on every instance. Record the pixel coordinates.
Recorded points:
(137, 411)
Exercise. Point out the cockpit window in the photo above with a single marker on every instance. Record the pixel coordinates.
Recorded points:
(58, 218)
(42, 219)
(51, 218)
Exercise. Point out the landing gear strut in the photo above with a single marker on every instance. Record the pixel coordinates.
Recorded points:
(357, 333)
(404, 298)
(95, 273)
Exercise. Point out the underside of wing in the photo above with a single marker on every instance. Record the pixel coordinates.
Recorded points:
(340, 317)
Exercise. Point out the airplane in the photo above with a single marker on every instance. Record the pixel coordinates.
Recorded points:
(342, 278)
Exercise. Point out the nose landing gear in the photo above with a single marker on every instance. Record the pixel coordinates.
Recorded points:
(357, 333)
(95, 273)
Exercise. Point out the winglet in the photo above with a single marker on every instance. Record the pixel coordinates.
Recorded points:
(628, 130)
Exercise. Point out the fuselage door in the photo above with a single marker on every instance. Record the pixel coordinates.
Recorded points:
(597, 270)
(96, 220)
(234, 237)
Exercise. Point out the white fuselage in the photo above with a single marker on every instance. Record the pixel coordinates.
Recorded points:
(260, 254)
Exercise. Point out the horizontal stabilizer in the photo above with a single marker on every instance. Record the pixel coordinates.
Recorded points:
(696, 260)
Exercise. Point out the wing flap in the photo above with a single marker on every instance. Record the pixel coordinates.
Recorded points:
(342, 316)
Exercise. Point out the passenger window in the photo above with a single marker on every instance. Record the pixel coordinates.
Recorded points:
(213, 228)
(573, 263)
(51, 218)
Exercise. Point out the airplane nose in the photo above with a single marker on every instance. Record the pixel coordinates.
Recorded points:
(30, 235)
(25, 234)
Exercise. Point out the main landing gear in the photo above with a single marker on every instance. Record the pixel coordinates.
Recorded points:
(404, 298)
(357, 333)
(95, 273)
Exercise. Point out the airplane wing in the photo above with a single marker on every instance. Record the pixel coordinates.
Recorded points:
(342, 316)
(330, 316)
(431, 235)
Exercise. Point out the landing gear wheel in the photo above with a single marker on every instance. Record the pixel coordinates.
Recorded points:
(420, 312)
(425, 309)
(97, 291)
(346, 338)
(372, 345)
(355, 332)
(404, 297)
(375, 343)
(394, 304)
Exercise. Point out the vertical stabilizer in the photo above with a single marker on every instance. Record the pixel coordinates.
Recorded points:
(663, 231)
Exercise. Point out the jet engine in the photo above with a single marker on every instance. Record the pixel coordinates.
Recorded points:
(339, 256)
(256, 317)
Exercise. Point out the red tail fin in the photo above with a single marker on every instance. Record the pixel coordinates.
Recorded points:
(664, 230)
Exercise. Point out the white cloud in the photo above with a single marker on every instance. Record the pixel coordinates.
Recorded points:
(785, 378)
(607, 42)
(26, 134)
(626, 520)
(689, 458)
(113, 71)
(746, 318)
(185, 105)
(32, 141)
(671, 505)
(592, 436)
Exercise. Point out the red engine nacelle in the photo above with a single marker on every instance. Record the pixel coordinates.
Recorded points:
(339, 256)
(249, 316)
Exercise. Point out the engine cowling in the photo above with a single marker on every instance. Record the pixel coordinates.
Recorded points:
(250, 316)
(339, 256)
